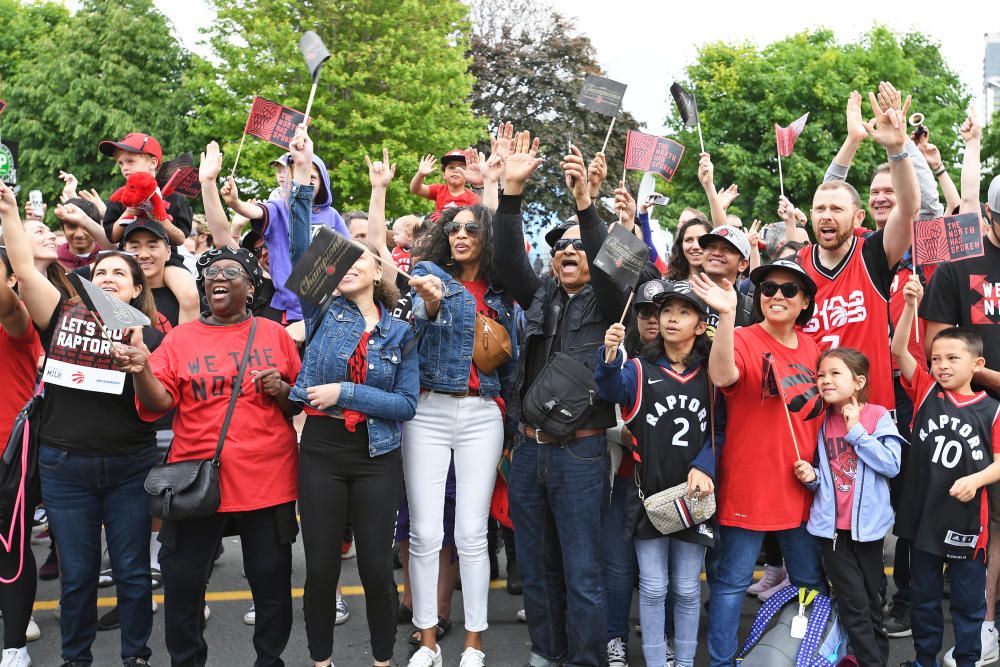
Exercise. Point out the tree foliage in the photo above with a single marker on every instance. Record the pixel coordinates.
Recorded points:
(21, 23)
(115, 68)
(743, 91)
(529, 64)
(397, 78)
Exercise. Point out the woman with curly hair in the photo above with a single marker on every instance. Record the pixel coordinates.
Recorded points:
(686, 255)
(460, 412)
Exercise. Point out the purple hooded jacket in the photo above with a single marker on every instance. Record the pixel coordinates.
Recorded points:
(274, 228)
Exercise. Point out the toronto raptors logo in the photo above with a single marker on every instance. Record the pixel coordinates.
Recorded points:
(845, 471)
(651, 289)
(795, 385)
(836, 311)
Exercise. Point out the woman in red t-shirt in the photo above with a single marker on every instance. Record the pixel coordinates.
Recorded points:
(193, 371)
(766, 373)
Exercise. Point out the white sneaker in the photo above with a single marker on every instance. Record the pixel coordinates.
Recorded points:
(33, 633)
(773, 589)
(472, 658)
(156, 607)
(15, 657)
(425, 657)
(208, 612)
(617, 653)
(251, 616)
(343, 611)
(521, 616)
(772, 576)
(989, 654)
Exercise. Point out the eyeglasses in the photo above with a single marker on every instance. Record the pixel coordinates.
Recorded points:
(562, 244)
(646, 312)
(788, 290)
(228, 273)
(471, 228)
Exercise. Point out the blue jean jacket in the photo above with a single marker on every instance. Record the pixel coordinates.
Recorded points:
(389, 394)
(446, 342)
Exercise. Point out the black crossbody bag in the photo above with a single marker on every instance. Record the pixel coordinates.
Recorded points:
(190, 489)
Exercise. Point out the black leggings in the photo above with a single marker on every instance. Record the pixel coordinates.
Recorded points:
(339, 483)
(17, 598)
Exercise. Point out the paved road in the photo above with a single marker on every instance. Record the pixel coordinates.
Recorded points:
(229, 639)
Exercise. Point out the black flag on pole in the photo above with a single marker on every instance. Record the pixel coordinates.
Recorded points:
(621, 257)
(114, 313)
(686, 104)
(315, 53)
(602, 95)
(323, 265)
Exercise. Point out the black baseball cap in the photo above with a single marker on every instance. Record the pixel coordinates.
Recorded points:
(760, 274)
(557, 232)
(250, 239)
(679, 289)
(149, 225)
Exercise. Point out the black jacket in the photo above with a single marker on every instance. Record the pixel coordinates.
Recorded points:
(575, 325)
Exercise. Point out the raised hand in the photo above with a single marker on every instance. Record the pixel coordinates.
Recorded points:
(888, 127)
(855, 123)
(913, 291)
(69, 213)
(69, 185)
(971, 130)
(472, 171)
(753, 236)
(230, 193)
(301, 149)
(706, 171)
(211, 163)
(8, 202)
(625, 205)
(94, 198)
(503, 143)
(720, 299)
(930, 153)
(522, 161)
(575, 174)
(786, 209)
(596, 173)
(727, 195)
(493, 168)
(426, 167)
(380, 172)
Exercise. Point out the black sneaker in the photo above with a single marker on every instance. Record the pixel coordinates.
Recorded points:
(109, 621)
(897, 621)
(135, 662)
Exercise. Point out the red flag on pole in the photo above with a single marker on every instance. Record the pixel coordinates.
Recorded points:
(647, 152)
(947, 239)
(273, 122)
(787, 135)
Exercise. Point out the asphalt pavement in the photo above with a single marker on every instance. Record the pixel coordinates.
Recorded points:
(229, 639)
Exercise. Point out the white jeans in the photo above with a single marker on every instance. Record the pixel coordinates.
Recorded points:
(472, 427)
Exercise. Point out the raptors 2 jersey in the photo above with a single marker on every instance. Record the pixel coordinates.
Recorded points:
(954, 435)
(852, 309)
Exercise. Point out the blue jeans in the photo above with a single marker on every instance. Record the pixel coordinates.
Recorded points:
(735, 556)
(558, 497)
(967, 605)
(669, 565)
(81, 493)
(619, 561)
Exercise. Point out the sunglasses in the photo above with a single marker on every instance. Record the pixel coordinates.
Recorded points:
(788, 290)
(257, 251)
(562, 244)
(228, 273)
(471, 228)
(647, 312)
(116, 253)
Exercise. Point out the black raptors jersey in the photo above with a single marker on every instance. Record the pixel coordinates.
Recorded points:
(669, 421)
(952, 438)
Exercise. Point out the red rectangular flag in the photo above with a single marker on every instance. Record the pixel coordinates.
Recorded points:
(647, 152)
(787, 135)
(183, 181)
(273, 122)
(948, 239)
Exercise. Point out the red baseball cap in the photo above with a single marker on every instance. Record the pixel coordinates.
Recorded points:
(134, 142)
(452, 156)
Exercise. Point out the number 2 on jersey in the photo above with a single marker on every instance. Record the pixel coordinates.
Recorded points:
(684, 425)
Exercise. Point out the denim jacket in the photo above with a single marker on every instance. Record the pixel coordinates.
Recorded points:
(446, 342)
(878, 454)
(389, 394)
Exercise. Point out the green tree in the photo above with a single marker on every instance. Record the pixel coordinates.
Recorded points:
(21, 23)
(115, 68)
(743, 91)
(529, 64)
(398, 77)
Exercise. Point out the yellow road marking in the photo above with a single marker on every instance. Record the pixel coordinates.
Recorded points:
(348, 591)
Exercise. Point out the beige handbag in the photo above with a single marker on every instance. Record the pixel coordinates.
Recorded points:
(491, 348)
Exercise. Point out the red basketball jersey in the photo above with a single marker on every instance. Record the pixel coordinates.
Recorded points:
(852, 310)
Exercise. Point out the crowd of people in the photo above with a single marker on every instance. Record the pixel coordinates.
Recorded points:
(796, 390)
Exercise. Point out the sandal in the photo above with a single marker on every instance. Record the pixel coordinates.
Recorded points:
(443, 627)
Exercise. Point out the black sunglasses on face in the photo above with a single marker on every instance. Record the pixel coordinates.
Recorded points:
(788, 290)
(257, 251)
(647, 312)
(228, 273)
(562, 244)
(471, 228)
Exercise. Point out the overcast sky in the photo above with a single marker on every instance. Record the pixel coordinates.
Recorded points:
(647, 43)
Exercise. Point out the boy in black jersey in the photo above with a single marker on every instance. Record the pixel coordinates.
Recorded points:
(943, 509)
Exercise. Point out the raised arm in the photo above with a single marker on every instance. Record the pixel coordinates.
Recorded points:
(722, 360)
(856, 133)
(380, 174)
(912, 291)
(932, 156)
(791, 216)
(38, 294)
(215, 213)
(424, 170)
(508, 232)
(706, 176)
(971, 134)
(14, 317)
(74, 214)
(888, 128)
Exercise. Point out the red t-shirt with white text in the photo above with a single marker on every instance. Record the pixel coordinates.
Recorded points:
(758, 489)
(197, 364)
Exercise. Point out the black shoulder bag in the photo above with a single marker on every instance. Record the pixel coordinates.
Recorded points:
(190, 489)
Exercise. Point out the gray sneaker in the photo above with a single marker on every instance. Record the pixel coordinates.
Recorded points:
(897, 621)
(617, 653)
(343, 611)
